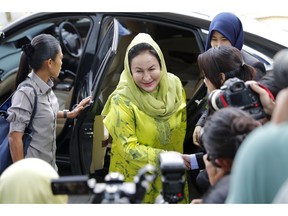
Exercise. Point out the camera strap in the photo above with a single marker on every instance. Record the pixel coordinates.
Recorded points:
(267, 90)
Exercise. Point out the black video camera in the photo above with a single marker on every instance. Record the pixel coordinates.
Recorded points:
(234, 92)
(173, 178)
(113, 191)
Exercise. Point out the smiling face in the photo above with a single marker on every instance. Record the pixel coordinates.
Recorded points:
(146, 71)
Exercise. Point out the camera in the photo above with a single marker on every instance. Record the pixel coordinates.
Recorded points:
(173, 178)
(115, 190)
(234, 92)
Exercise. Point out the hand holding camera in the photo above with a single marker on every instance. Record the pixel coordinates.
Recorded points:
(256, 99)
(266, 99)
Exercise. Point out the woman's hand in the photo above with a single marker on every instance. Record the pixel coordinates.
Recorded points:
(196, 135)
(79, 107)
(266, 101)
(186, 159)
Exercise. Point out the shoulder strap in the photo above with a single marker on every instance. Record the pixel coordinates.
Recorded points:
(6, 104)
(35, 105)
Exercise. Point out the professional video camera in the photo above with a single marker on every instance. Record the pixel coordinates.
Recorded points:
(234, 92)
(173, 178)
(114, 190)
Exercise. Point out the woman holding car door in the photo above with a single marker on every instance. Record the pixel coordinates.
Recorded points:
(44, 56)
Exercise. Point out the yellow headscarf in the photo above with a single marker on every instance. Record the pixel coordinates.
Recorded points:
(161, 104)
(28, 181)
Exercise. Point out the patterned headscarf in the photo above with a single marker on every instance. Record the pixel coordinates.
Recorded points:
(230, 26)
(161, 104)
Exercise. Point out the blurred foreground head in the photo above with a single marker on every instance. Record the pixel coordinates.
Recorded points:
(281, 68)
(28, 181)
(225, 130)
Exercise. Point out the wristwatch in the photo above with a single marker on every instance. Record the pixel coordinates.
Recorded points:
(65, 113)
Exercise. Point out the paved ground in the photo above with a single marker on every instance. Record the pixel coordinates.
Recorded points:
(80, 199)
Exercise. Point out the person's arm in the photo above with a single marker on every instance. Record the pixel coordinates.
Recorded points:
(120, 122)
(200, 161)
(194, 161)
(16, 145)
(76, 110)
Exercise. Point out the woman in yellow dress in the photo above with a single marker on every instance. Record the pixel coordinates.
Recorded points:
(146, 114)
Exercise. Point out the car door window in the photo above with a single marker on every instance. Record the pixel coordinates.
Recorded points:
(90, 126)
(105, 53)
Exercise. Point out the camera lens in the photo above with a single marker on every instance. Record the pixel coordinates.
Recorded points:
(214, 101)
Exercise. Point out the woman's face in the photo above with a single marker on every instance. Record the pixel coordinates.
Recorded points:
(218, 39)
(146, 71)
(56, 65)
(209, 85)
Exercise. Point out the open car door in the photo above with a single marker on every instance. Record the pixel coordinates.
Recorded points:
(86, 151)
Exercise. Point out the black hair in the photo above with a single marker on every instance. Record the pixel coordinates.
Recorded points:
(41, 48)
(281, 68)
(225, 130)
(227, 60)
(139, 48)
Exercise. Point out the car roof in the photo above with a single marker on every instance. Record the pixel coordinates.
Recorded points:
(250, 26)
(253, 26)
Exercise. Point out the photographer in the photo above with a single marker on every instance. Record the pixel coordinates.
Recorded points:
(218, 64)
(251, 172)
(260, 166)
(278, 113)
(258, 108)
(224, 132)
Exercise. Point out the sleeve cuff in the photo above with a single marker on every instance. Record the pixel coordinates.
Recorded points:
(193, 162)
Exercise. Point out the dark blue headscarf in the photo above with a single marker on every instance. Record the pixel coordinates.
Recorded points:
(230, 26)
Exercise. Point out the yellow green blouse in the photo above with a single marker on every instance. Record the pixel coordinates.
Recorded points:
(139, 138)
(144, 124)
